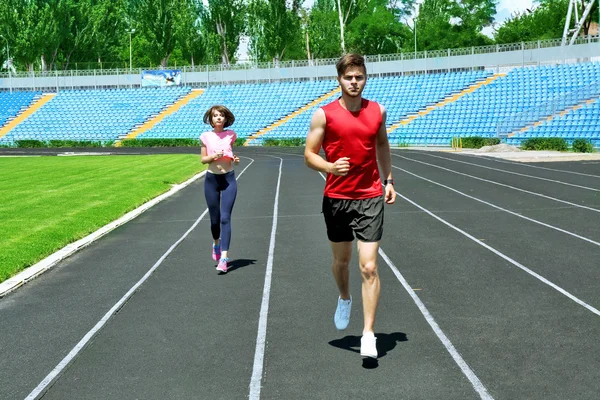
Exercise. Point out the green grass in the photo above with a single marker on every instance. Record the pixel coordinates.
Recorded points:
(48, 202)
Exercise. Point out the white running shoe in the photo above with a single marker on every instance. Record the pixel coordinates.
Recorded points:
(368, 346)
(342, 313)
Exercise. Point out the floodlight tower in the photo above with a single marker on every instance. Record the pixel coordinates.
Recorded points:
(568, 31)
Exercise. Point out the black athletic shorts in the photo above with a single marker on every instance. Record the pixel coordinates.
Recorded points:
(346, 218)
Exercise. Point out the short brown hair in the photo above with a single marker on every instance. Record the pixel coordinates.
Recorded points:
(350, 60)
(229, 118)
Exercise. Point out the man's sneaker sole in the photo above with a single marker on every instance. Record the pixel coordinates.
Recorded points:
(363, 355)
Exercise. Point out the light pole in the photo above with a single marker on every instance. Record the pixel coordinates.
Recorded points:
(130, 31)
(415, 29)
(8, 62)
(415, 25)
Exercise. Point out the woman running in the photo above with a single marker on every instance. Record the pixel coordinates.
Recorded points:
(220, 186)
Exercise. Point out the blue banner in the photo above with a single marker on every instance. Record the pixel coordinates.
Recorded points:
(163, 77)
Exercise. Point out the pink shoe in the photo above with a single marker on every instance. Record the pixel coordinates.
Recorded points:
(216, 252)
(222, 265)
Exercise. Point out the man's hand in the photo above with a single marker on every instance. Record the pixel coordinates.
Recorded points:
(390, 194)
(340, 167)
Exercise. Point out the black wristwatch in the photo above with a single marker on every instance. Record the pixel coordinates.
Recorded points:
(390, 181)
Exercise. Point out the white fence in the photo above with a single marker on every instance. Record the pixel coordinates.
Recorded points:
(497, 57)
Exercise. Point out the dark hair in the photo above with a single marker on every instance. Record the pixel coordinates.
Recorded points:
(350, 60)
(229, 118)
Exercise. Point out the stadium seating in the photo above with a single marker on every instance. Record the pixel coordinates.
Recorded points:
(254, 105)
(13, 103)
(109, 115)
(94, 115)
(401, 95)
(478, 113)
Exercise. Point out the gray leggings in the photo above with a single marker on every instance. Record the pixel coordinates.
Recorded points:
(220, 191)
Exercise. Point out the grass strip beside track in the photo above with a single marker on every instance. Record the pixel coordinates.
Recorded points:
(49, 202)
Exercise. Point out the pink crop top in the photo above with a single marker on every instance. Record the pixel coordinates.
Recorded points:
(222, 141)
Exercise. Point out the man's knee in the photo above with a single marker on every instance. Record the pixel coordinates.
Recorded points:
(368, 269)
(341, 261)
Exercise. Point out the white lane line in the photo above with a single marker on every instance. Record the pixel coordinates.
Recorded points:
(259, 352)
(477, 385)
(507, 258)
(514, 173)
(88, 336)
(499, 160)
(500, 184)
(467, 371)
(500, 208)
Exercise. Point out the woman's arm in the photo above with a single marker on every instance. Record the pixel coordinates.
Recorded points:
(206, 159)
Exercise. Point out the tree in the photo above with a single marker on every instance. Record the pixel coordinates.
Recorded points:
(188, 32)
(275, 29)
(323, 30)
(546, 21)
(222, 24)
(157, 20)
(377, 30)
(443, 24)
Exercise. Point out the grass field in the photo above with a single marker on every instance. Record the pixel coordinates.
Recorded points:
(48, 202)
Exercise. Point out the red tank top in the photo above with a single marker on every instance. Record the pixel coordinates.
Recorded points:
(353, 135)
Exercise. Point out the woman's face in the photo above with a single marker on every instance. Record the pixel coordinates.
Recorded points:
(218, 119)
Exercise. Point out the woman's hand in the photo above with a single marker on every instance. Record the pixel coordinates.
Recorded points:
(218, 155)
(236, 159)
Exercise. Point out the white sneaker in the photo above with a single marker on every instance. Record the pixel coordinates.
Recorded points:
(342, 313)
(368, 347)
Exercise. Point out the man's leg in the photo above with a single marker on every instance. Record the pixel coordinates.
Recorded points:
(367, 261)
(342, 253)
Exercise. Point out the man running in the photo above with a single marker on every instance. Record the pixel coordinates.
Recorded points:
(352, 133)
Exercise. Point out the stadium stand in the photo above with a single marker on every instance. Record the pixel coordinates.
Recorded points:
(98, 115)
(423, 109)
(478, 113)
(255, 106)
(11, 104)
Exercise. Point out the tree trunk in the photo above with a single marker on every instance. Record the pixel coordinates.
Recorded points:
(341, 16)
(308, 49)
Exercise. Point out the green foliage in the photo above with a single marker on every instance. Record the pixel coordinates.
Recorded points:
(545, 22)
(36, 144)
(160, 143)
(222, 24)
(445, 24)
(294, 142)
(30, 144)
(240, 141)
(78, 143)
(583, 146)
(323, 30)
(377, 32)
(553, 143)
(275, 30)
(477, 142)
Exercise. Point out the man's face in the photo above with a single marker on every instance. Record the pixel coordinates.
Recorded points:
(353, 81)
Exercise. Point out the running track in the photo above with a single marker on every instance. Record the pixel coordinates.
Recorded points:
(490, 290)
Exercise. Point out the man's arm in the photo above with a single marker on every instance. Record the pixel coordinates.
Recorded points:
(384, 158)
(314, 141)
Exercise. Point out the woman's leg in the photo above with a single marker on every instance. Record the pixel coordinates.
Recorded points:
(227, 201)
(213, 200)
